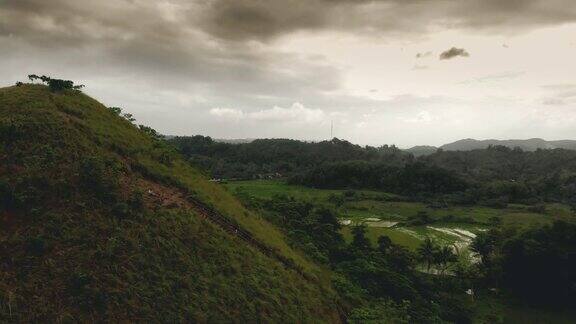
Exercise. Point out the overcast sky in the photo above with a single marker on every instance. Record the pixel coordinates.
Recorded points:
(404, 72)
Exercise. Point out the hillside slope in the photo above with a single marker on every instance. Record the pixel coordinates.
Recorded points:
(101, 222)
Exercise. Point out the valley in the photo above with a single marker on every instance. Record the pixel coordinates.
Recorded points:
(400, 219)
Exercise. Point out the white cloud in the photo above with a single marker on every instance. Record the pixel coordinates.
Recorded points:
(227, 113)
(559, 94)
(296, 113)
(423, 117)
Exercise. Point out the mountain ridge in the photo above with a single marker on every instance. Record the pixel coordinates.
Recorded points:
(468, 144)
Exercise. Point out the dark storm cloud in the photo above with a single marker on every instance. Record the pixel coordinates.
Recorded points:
(199, 39)
(262, 19)
(154, 41)
(265, 20)
(453, 52)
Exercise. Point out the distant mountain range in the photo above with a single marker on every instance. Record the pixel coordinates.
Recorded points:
(467, 144)
(234, 140)
(471, 144)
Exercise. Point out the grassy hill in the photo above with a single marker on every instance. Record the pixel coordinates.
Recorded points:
(99, 222)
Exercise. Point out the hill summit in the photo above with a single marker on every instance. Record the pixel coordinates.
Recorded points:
(100, 221)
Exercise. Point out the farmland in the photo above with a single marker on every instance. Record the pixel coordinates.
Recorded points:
(396, 217)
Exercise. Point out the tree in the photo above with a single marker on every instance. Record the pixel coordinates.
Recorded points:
(115, 110)
(539, 265)
(359, 239)
(422, 218)
(484, 245)
(445, 256)
(56, 85)
(337, 200)
(384, 243)
(129, 117)
(151, 132)
(427, 252)
(400, 258)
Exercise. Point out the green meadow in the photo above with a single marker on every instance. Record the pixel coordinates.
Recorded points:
(369, 207)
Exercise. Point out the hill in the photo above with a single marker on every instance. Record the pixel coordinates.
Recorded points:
(264, 158)
(420, 150)
(102, 222)
(526, 145)
(470, 144)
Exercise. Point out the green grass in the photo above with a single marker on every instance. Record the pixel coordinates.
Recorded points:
(398, 237)
(513, 215)
(374, 204)
(74, 258)
(270, 188)
(381, 204)
(386, 210)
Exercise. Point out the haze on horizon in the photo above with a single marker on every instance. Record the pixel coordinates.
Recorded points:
(384, 71)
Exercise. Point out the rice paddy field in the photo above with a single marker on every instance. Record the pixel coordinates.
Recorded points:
(455, 226)
(391, 215)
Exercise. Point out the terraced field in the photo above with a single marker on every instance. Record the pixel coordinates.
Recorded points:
(393, 216)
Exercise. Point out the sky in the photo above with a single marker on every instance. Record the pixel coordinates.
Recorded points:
(403, 72)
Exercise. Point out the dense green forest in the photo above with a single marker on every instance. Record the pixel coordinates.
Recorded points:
(494, 176)
(276, 157)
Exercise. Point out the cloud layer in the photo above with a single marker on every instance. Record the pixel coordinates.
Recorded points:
(181, 58)
(264, 20)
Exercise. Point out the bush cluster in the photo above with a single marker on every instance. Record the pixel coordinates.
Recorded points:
(56, 85)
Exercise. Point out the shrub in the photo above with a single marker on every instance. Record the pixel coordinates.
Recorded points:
(136, 201)
(100, 177)
(7, 198)
(499, 203)
(382, 312)
(36, 246)
(539, 209)
(121, 210)
(115, 110)
(421, 218)
(78, 283)
(56, 85)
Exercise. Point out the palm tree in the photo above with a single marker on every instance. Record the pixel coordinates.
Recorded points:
(359, 239)
(483, 245)
(427, 252)
(444, 256)
(384, 243)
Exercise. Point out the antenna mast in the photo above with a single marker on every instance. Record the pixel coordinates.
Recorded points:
(331, 129)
